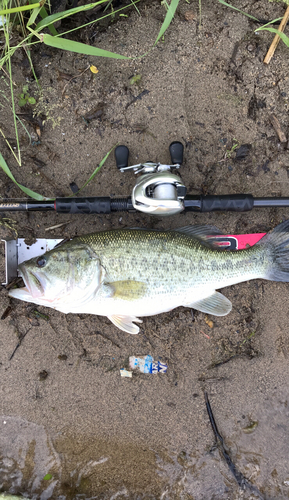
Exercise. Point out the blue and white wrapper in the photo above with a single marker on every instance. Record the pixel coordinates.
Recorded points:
(146, 364)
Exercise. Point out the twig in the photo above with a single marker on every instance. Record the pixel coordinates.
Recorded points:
(19, 343)
(57, 226)
(14, 282)
(73, 77)
(6, 313)
(8, 76)
(276, 39)
(204, 334)
(277, 127)
(139, 96)
(241, 480)
(106, 337)
(215, 365)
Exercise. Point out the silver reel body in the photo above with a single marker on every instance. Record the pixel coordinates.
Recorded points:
(158, 191)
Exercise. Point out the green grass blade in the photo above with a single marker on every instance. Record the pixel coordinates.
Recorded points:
(107, 6)
(283, 37)
(235, 8)
(26, 190)
(51, 27)
(42, 12)
(9, 51)
(134, 4)
(34, 14)
(168, 19)
(9, 65)
(80, 48)
(21, 8)
(28, 53)
(61, 15)
(99, 19)
(96, 170)
(268, 24)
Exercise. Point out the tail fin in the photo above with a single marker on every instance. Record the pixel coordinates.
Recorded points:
(277, 243)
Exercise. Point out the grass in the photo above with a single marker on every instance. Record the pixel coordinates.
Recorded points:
(265, 27)
(35, 32)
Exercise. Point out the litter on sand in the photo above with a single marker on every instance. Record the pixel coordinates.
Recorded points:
(125, 373)
(146, 364)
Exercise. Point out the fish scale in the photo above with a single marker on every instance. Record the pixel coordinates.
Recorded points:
(126, 273)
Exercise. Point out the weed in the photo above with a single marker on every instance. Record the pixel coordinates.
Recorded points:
(35, 28)
(135, 80)
(9, 224)
(265, 27)
(249, 337)
(25, 98)
(235, 145)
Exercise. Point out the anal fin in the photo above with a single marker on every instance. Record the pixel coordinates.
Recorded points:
(125, 323)
(216, 304)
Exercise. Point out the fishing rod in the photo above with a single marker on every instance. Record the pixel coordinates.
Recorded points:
(158, 191)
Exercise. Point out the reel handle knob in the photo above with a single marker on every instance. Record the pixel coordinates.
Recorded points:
(121, 154)
(176, 151)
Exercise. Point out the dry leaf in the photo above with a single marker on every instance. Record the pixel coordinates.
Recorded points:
(93, 69)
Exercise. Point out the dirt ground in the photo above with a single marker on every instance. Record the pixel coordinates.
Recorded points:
(65, 410)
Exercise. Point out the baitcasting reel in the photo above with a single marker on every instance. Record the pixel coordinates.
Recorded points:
(158, 190)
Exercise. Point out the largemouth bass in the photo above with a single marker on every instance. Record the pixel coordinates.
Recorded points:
(127, 273)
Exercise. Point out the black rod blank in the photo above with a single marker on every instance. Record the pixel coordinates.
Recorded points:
(26, 205)
(106, 205)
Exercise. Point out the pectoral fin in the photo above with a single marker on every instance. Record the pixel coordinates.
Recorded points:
(125, 290)
(216, 304)
(125, 323)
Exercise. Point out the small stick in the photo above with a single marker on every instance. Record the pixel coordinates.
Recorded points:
(277, 127)
(241, 480)
(73, 77)
(57, 226)
(8, 75)
(19, 343)
(139, 96)
(204, 334)
(6, 313)
(276, 39)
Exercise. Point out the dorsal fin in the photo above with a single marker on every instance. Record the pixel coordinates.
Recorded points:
(205, 234)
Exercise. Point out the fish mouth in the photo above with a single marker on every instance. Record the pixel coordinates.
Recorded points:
(32, 282)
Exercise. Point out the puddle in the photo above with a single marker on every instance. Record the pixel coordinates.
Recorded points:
(108, 469)
(80, 468)
(192, 476)
(114, 470)
(27, 455)
(262, 454)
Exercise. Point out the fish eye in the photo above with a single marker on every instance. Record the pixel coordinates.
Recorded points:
(41, 261)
